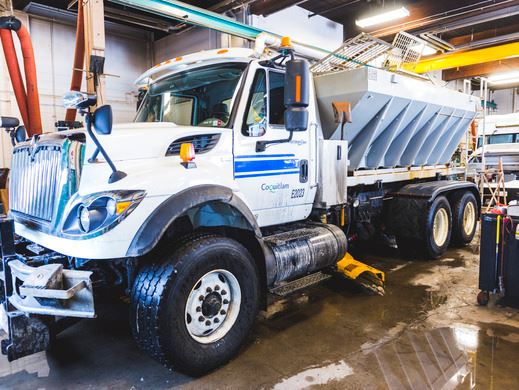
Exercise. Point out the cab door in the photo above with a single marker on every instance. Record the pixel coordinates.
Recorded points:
(276, 182)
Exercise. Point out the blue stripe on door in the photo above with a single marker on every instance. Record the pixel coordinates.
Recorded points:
(265, 155)
(265, 165)
(268, 174)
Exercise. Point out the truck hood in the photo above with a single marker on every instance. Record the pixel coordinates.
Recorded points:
(134, 141)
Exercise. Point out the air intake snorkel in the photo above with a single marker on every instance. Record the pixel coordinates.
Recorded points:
(101, 119)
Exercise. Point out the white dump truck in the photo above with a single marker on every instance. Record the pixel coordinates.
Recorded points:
(241, 176)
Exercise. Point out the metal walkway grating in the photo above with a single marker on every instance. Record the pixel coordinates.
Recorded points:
(353, 53)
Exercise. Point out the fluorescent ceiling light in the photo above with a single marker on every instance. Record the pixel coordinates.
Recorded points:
(504, 78)
(383, 17)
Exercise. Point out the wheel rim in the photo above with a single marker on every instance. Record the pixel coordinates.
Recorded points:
(441, 227)
(469, 218)
(212, 306)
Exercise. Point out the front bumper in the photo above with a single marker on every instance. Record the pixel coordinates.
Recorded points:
(32, 297)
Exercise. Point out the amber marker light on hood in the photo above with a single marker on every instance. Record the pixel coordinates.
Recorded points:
(187, 155)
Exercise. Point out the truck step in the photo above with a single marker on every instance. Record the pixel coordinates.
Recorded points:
(300, 284)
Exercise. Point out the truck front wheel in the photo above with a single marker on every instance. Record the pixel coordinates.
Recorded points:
(193, 309)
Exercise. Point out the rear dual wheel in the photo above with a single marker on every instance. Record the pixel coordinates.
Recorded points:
(433, 237)
(464, 218)
(443, 225)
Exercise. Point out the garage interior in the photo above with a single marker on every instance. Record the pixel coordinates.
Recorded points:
(406, 322)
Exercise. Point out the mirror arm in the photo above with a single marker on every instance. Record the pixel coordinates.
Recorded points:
(116, 175)
(261, 146)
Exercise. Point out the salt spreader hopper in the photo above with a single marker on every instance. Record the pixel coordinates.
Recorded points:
(397, 120)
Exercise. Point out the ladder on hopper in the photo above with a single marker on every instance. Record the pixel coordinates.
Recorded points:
(366, 50)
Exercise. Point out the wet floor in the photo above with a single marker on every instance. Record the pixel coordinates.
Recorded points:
(426, 332)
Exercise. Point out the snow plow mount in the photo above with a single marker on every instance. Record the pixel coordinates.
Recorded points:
(32, 297)
(369, 278)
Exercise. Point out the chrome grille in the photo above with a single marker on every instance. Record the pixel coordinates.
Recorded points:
(35, 177)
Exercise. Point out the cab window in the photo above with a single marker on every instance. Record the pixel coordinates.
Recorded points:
(256, 114)
(263, 107)
(276, 98)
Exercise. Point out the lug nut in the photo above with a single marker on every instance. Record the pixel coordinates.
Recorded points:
(200, 318)
(208, 322)
(225, 302)
(224, 292)
(201, 298)
(222, 312)
(209, 289)
(216, 320)
(216, 287)
(198, 309)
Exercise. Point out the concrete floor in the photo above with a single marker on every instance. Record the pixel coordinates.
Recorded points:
(425, 332)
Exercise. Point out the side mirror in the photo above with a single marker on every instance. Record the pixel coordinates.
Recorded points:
(297, 94)
(78, 100)
(20, 134)
(103, 120)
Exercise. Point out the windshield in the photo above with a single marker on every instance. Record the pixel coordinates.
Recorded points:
(499, 139)
(199, 97)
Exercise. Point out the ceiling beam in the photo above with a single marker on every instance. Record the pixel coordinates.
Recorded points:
(466, 58)
(485, 69)
(486, 34)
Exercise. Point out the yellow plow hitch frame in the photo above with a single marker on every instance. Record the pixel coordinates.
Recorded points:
(368, 277)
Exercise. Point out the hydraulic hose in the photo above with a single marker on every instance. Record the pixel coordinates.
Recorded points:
(32, 120)
(79, 58)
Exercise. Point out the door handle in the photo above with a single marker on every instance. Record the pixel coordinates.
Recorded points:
(303, 171)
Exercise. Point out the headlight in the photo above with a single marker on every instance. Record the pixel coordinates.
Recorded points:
(84, 218)
(95, 214)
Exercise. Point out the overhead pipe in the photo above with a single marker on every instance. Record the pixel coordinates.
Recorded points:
(79, 59)
(201, 17)
(32, 120)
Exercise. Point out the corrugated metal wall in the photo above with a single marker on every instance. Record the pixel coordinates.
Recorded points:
(128, 54)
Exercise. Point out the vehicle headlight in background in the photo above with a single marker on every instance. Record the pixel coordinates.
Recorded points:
(97, 213)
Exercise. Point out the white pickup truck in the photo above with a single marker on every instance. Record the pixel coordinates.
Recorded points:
(240, 176)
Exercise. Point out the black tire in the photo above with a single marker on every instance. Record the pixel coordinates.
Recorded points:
(460, 202)
(432, 249)
(160, 294)
(415, 238)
